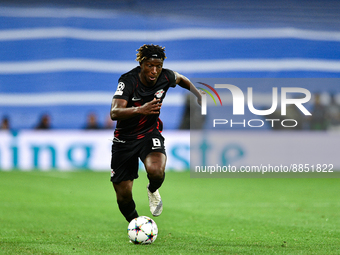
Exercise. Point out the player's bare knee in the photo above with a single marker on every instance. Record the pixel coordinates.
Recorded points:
(123, 192)
(124, 197)
(155, 171)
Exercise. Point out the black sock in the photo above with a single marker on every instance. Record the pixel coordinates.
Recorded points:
(128, 210)
(155, 184)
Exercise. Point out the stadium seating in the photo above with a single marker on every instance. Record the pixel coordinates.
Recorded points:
(64, 59)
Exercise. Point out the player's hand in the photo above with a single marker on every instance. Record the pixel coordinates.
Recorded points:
(152, 107)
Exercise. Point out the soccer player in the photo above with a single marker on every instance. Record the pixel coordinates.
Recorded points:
(136, 106)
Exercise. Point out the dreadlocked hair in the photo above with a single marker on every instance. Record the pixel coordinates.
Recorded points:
(145, 51)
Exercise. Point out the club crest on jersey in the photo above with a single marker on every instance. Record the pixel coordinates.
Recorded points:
(159, 93)
(120, 88)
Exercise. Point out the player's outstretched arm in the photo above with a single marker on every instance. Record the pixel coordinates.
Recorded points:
(119, 111)
(184, 82)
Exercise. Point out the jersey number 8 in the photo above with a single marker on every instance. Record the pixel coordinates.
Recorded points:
(156, 142)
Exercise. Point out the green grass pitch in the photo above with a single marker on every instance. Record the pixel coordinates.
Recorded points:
(76, 213)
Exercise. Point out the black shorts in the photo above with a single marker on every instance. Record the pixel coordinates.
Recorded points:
(125, 154)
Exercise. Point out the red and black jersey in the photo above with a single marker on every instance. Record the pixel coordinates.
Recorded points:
(131, 89)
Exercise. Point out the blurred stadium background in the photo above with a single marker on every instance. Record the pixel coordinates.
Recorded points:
(62, 59)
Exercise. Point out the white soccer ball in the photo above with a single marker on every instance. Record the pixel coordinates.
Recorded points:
(142, 230)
